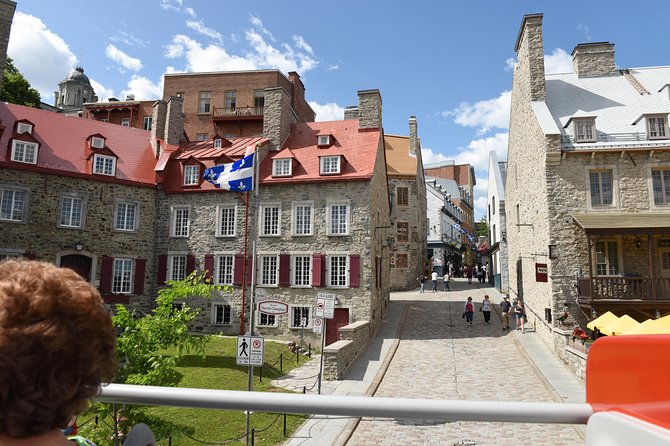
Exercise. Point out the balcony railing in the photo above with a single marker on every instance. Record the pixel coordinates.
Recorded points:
(625, 288)
(237, 112)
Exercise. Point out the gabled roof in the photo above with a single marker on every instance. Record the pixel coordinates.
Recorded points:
(63, 146)
(398, 159)
(359, 148)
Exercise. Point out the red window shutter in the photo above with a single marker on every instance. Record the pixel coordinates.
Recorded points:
(284, 269)
(190, 264)
(162, 269)
(354, 271)
(250, 267)
(317, 269)
(239, 269)
(138, 286)
(106, 274)
(209, 266)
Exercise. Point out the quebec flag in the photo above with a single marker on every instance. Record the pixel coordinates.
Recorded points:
(456, 226)
(235, 177)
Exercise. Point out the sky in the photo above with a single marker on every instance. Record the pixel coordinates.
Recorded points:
(448, 63)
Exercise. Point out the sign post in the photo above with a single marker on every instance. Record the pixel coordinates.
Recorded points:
(325, 309)
(250, 350)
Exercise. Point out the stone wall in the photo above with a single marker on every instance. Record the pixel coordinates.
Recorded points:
(278, 117)
(594, 59)
(337, 357)
(369, 109)
(571, 356)
(7, 8)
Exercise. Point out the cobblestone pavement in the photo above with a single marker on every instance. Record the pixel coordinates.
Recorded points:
(440, 356)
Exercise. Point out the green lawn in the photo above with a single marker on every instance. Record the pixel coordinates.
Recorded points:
(217, 370)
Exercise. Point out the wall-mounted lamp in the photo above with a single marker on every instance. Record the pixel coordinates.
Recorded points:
(79, 245)
(553, 252)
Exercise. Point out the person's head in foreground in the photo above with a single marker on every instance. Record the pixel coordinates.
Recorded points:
(57, 345)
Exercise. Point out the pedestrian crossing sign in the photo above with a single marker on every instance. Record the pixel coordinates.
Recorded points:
(250, 350)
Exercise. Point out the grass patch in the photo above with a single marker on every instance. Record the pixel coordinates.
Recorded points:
(217, 370)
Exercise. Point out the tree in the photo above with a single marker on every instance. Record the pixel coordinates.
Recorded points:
(16, 89)
(483, 227)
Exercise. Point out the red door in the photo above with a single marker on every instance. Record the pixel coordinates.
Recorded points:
(340, 319)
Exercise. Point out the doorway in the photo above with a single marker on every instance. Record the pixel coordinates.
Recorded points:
(78, 263)
(339, 320)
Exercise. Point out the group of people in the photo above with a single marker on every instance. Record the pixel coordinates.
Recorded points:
(434, 277)
(517, 310)
(478, 271)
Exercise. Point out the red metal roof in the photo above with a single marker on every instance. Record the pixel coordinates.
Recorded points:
(205, 149)
(64, 147)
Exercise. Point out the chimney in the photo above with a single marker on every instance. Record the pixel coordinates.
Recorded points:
(594, 59)
(351, 112)
(174, 121)
(7, 9)
(369, 109)
(530, 55)
(277, 116)
(413, 136)
(158, 124)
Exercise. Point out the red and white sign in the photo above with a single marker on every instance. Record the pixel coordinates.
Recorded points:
(273, 307)
(325, 305)
(317, 325)
(541, 272)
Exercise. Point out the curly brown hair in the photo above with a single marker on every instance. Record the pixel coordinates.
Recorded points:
(57, 345)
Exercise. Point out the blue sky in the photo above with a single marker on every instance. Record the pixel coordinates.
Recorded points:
(448, 63)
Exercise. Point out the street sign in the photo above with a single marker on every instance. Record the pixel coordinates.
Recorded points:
(250, 350)
(273, 307)
(325, 305)
(317, 325)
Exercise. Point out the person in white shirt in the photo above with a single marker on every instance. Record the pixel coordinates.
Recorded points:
(446, 281)
(433, 276)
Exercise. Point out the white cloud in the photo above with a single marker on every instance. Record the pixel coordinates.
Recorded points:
(126, 61)
(333, 67)
(559, 61)
(209, 58)
(128, 39)
(174, 5)
(143, 89)
(41, 56)
(485, 115)
(477, 152)
(429, 156)
(267, 56)
(509, 64)
(190, 12)
(300, 43)
(258, 24)
(101, 91)
(586, 29)
(199, 26)
(327, 112)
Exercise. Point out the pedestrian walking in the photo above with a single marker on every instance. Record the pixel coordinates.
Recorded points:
(446, 279)
(505, 307)
(480, 274)
(520, 313)
(433, 276)
(422, 283)
(469, 273)
(486, 309)
(469, 311)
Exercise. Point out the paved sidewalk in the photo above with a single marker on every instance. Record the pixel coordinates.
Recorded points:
(553, 380)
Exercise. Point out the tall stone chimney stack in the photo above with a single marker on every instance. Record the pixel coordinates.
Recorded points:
(174, 120)
(7, 9)
(530, 55)
(159, 112)
(594, 59)
(369, 109)
(413, 136)
(277, 116)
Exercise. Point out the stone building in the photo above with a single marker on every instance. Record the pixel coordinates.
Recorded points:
(406, 237)
(445, 241)
(588, 188)
(497, 223)
(319, 221)
(73, 91)
(231, 104)
(79, 194)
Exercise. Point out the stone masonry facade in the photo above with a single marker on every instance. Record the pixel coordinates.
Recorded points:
(7, 8)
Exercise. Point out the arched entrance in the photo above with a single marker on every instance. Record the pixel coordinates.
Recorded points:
(79, 263)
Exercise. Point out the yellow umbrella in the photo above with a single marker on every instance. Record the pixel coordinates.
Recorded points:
(664, 321)
(624, 323)
(602, 320)
(650, 326)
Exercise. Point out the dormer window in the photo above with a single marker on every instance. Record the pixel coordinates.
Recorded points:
(585, 130)
(330, 165)
(217, 143)
(191, 174)
(97, 142)
(281, 167)
(23, 127)
(323, 140)
(657, 127)
(104, 165)
(24, 152)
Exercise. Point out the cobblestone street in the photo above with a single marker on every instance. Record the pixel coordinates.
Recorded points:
(440, 356)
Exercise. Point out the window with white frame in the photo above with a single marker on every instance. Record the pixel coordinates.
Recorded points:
(301, 317)
(323, 140)
(122, 276)
(191, 173)
(217, 143)
(330, 164)
(338, 271)
(601, 186)
(303, 218)
(71, 212)
(180, 222)
(660, 179)
(224, 269)
(281, 167)
(12, 204)
(338, 218)
(266, 320)
(126, 216)
(148, 122)
(24, 127)
(270, 219)
(125, 122)
(607, 258)
(24, 152)
(226, 221)
(585, 130)
(301, 274)
(204, 101)
(269, 268)
(97, 142)
(104, 165)
(657, 127)
(221, 313)
(176, 267)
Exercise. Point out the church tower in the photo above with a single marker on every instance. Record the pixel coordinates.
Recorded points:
(74, 90)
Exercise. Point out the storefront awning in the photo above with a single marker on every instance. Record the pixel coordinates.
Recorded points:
(597, 223)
